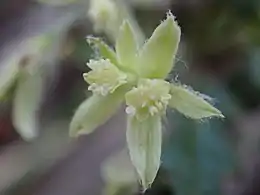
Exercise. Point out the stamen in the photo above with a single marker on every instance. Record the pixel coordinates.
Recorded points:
(105, 77)
(150, 97)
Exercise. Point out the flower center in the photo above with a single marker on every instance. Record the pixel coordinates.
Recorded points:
(104, 77)
(149, 98)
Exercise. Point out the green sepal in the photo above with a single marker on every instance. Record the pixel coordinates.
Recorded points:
(144, 139)
(126, 45)
(156, 58)
(27, 101)
(191, 104)
(95, 111)
(103, 49)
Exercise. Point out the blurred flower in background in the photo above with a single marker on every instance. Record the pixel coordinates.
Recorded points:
(218, 56)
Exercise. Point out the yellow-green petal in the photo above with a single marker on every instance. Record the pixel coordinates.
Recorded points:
(126, 46)
(144, 141)
(95, 111)
(191, 103)
(156, 58)
(27, 102)
(104, 50)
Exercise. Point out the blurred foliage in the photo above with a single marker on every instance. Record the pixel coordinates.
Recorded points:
(198, 156)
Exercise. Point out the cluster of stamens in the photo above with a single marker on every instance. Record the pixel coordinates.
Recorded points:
(149, 98)
(104, 78)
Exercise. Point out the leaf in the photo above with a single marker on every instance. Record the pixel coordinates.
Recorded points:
(156, 58)
(191, 104)
(126, 46)
(144, 142)
(104, 50)
(8, 75)
(94, 112)
(27, 101)
(195, 152)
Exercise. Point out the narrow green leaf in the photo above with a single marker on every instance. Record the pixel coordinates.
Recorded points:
(156, 58)
(94, 112)
(126, 46)
(104, 50)
(191, 104)
(8, 75)
(27, 101)
(144, 142)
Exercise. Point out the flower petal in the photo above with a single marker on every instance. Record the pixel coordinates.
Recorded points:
(144, 142)
(94, 112)
(104, 50)
(27, 101)
(191, 103)
(156, 58)
(126, 46)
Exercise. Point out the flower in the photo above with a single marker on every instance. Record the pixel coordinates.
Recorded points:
(103, 14)
(136, 75)
(22, 73)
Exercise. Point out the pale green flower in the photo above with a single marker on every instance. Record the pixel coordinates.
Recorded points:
(24, 72)
(107, 17)
(103, 14)
(136, 75)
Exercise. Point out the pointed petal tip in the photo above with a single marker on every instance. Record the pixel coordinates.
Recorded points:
(170, 15)
(218, 113)
(171, 18)
(29, 137)
(74, 135)
(75, 130)
(221, 115)
(145, 186)
(193, 104)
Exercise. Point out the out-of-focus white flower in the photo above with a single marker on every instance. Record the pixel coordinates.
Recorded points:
(104, 14)
(24, 69)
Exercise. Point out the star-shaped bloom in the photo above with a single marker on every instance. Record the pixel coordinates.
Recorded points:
(135, 74)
